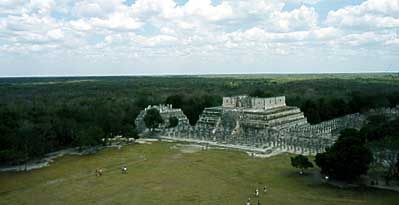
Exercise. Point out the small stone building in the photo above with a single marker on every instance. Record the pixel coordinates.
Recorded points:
(166, 111)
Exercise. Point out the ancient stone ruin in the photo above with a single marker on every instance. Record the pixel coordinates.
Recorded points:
(262, 124)
(166, 111)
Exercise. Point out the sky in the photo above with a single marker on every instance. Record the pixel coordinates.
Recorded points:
(136, 37)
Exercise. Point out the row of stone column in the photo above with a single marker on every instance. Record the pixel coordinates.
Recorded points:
(255, 138)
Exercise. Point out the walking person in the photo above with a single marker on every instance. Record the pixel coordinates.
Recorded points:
(124, 170)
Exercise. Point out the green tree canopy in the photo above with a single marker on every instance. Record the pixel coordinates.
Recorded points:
(90, 136)
(173, 121)
(301, 162)
(380, 127)
(193, 106)
(152, 118)
(130, 132)
(348, 158)
(260, 93)
(176, 100)
(397, 169)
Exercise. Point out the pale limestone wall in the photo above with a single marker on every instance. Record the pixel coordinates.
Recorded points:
(258, 103)
(254, 102)
(268, 103)
(229, 101)
(274, 102)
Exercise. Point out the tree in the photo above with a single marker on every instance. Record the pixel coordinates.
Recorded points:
(260, 93)
(130, 132)
(152, 118)
(9, 137)
(173, 122)
(142, 102)
(65, 125)
(90, 136)
(25, 131)
(310, 109)
(392, 169)
(301, 162)
(348, 158)
(391, 172)
(338, 108)
(175, 100)
(194, 106)
(397, 169)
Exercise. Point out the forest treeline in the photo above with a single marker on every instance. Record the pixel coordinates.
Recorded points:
(40, 115)
(322, 109)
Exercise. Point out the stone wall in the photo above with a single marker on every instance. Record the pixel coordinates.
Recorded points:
(166, 111)
(268, 103)
(253, 102)
(229, 101)
(236, 101)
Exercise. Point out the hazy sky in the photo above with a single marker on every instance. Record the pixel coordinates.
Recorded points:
(108, 37)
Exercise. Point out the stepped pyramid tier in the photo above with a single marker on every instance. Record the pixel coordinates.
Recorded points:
(250, 112)
(166, 111)
(259, 124)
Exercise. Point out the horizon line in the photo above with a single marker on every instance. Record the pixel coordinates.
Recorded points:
(197, 74)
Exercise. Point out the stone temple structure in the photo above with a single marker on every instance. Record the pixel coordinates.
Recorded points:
(166, 111)
(262, 124)
(250, 121)
(250, 112)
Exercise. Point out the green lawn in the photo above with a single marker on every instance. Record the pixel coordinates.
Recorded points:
(161, 175)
